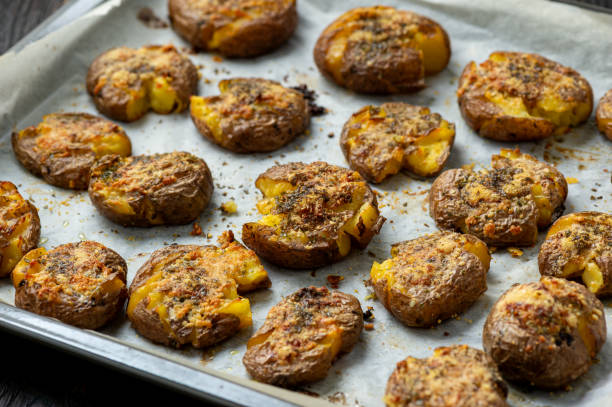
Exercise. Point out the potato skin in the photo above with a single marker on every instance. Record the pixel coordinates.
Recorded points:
(532, 332)
(90, 306)
(319, 188)
(498, 206)
(435, 276)
(531, 76)
(280, 352)
(137, 68)
(160, 189)
(198, 22)
(604, 115)
(14, 211)
(244, 127)
(588, 239)
(60, 149)
(456, 375)
(363, 67)
(373, 151)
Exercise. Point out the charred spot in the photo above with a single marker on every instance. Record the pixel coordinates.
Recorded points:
(564, 337)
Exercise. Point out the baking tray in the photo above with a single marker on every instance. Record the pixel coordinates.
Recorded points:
(48, 75)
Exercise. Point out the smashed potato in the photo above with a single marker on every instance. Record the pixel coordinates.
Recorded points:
(126, 83)
(604, 115)
(312, 215)
(458, 376)
(149, 190)
(63, 147)
(187, 294)
(251, 115)
(302, 336)
(234, 28)
(579, 246)
(514, 96)
(545, 333)
(82, 284)
(380, 141)
(503, 206)
(19, 227)
(432, 278)
(381, 49)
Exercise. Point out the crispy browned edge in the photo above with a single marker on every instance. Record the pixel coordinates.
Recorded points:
(257, 37)
(606, 130)
(83, 315)
(178, 206)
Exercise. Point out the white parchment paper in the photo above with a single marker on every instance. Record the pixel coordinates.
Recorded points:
(48, 76)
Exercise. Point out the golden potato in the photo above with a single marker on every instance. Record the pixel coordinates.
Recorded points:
(19, 227)
(126, 83)
(234, 28)
(503, 206)
(81, 284)
(458, 376)
(515, 96)
(187, 294)
(579, 246)
(380, 141)
(432, 278)
(312, 215)
(382, 50)
(251, 115)
(604, 115)
(63, 147)
(545, 333)
(302, 336)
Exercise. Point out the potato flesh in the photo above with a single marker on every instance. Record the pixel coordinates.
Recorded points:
(425, 160)
(12, 252)
(157, 94)
(212, 119)
(434, 49)
(27, 265)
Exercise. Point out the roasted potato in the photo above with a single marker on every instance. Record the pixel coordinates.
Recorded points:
(458, 376)
(126, 83)
(503, 206)
(302, 336)
(234, 28)
(604, 115)
(313, 215)
(382, 50)
(579, 246)
(380, 141)
(514, 96)
(432, 278)
(545, 333)
(148, 190)
(19, 227)
(63, 147)
(187, 294)
(81, 284)
(251, 115)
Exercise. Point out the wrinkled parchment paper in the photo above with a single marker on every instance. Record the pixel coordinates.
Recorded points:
(49, 75)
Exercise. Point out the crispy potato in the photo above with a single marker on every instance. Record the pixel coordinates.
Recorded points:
(302, 336)
(234, 28)
(382, 50)
(19, 227)
(545, 333)
(432, 278)
(313, 215)
(514, 96)
(62, 148)
(81, 284)
(251, 115)
(380, 141)
(579, 246)
(187, 294)
(604, 115)
(148, 190)
(503, 206)
(126, 83)
(458, 376)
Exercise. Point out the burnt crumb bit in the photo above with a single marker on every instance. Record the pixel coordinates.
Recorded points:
(331, 135)
(334, 281)
(446, 333)
(197, 229)
(311, 96)
(368, 316)
(148, 18)
(369, 326)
